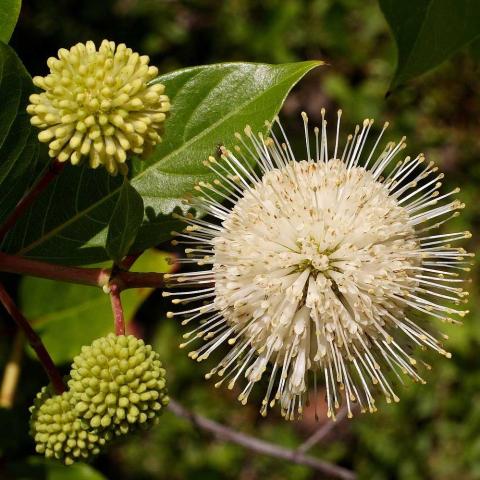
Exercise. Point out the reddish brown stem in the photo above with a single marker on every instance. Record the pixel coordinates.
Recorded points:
(117, 310)
(126, 280)
(97, 277)
(25, 266)
(129, 260)
(22, 206)
(34, 341)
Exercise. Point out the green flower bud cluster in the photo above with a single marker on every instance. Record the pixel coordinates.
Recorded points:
(99, 104)
(59, 433)
(116, 385)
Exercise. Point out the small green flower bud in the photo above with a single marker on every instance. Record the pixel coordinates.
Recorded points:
(99, 104)
(127, 391)
(58, 432)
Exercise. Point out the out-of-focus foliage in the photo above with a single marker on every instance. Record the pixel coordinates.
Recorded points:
(432, 432)
(36, 467)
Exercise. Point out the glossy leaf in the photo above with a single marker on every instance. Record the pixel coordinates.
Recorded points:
(68, 316)
(209, 104)
(427, 32)
(19, 149)
(9, 11)
(125, 221)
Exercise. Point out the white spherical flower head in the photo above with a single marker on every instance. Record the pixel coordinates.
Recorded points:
(327, 269)
(99, 104)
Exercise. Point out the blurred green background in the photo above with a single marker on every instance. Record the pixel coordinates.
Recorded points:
(433, 432)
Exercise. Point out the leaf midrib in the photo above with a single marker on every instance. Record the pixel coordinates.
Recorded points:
(184, 146)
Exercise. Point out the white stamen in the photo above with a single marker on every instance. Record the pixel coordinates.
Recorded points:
(319, 266)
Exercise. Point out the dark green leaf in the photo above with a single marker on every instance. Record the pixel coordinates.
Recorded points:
(125, 222)
(427, 32)
(18, 143)
(9, 11)
(209, 104)
(68, 316)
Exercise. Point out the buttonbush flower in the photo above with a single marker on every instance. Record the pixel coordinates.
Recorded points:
(99, 104)
(118, 383)
(59, 433)
(328, 268)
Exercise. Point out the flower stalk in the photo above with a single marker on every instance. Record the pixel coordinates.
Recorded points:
(117, 309)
